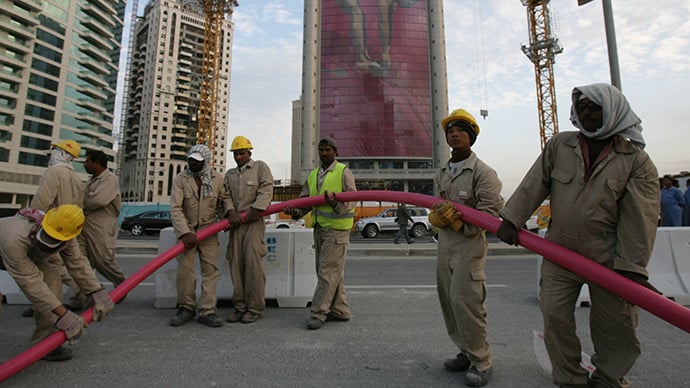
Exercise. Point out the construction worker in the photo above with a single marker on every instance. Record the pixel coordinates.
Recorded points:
(462, 248)
(250, 187)
(196, 202)
(332, 223)
(27, 242)
(101, 209)
(60, 185)
(604, 205)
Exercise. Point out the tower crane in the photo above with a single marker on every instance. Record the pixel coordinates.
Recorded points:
(214, 12)
(542, 50)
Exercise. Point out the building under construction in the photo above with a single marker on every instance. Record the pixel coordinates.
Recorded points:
(163, 103)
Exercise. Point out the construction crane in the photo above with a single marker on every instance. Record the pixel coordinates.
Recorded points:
(542, 50)
(214, 12)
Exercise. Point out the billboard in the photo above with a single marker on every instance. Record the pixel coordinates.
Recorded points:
(375, 93)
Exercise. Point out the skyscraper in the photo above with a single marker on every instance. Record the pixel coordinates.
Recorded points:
(163, 98)
(59, 63)
(374, 79)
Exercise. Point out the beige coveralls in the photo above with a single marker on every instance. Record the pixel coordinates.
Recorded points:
(248, 186)
(460, 276)
(60, 185)
(330, 247)
(97, 239)
(190, 212)
(36, 276)
(610, 219)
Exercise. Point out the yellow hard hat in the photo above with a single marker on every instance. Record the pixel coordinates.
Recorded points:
(460, 114)
(72, 147)
(241, 143)
(63, 222)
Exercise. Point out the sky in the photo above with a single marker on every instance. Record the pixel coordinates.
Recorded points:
(487, 70)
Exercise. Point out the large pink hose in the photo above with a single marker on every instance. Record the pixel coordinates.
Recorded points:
(635, 293)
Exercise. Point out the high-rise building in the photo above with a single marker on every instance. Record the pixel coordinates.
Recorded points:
(374, 79)
(58, 75)
(162, 105)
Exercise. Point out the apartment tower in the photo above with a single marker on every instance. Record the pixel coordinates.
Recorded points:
(162, 105)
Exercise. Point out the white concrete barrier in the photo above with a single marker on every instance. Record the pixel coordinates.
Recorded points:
(669, 266)
(289, 268)
(14, 295)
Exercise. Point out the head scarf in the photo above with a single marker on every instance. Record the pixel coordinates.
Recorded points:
(618, 117)
(58, 156)
(205, 173)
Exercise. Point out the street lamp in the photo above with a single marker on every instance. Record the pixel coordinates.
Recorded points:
(610, 40)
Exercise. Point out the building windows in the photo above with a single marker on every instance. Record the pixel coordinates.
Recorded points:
(33, 159)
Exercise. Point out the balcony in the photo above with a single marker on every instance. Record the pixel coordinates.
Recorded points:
(98, 13)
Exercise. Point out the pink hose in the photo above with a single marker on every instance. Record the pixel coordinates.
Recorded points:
(635, 293)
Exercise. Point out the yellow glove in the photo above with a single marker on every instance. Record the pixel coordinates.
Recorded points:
(453, 216)
(437, 219)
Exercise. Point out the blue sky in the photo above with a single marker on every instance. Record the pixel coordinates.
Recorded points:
(487, 70)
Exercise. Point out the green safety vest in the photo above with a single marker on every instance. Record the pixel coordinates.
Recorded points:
(323, 214)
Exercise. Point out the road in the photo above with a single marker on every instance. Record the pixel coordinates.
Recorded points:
(395, 339)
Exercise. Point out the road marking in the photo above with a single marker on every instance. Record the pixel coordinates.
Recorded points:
(393, 286)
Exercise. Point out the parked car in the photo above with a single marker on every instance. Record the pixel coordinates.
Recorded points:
(370, 227)
(147, 222)
(284, 223)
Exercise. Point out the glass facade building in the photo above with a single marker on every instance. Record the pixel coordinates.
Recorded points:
(374, 79)
(58, 75)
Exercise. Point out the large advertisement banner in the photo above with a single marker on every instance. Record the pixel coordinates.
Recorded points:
(375, 83)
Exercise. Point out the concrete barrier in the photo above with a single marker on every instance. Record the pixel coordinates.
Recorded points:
(289, 268)
(669, 266)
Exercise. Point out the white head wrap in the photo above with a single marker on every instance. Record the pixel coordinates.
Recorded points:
(205, 173)
(58, 156)
(618, 117)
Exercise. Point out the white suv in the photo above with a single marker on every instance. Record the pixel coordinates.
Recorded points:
(419, 226)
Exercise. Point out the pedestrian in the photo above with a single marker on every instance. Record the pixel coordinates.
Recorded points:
(250, 187)
(672, 203)
(60, 185)
(402, 219)
(462, 247)
(196, 202)
(102, 205)
(604, 205)
(686, 195)
(332, 223)
(27, 242)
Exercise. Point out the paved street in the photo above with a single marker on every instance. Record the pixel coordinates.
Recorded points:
(395, 339)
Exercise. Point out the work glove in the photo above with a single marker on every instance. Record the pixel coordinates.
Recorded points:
(508, 233)
(72, 324)
(453, 217)
(253, 214)
(189, 240)
(292, 211)
(437, 220)
(233, 217)
(102, 304)
(639, 279)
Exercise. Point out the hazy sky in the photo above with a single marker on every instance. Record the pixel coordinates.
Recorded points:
(487, 70)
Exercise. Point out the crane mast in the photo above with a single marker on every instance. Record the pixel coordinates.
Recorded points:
(542, 50)
(214, 12)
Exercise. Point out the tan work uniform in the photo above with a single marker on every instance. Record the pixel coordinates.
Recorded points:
(248, 186)
(461, 280)
(60, 185)
(611, 219)
(97, 240)
(191, 212)
(36, 276)
(330, 247)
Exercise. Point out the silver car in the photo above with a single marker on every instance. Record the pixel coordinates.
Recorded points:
(419, 226)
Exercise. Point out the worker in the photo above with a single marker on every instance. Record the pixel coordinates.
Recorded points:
(196, 202)
(101, 208)
(604, 205)
(27, 242)
(250, 190)
(332, 223)
(60, 185)
(402, 218)
(462, 247)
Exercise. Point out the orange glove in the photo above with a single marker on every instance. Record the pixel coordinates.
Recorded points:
(453, 217)
(437, 220)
